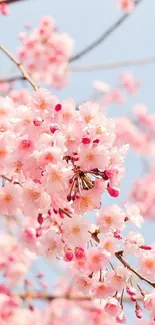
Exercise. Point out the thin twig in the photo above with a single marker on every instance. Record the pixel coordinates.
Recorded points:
(45, 296)
(104, 36)
(20, 67)
(119, 256)
(121, 259)
(48, 297)
(9, 1)
(114, 65)
(12, 79)
(93, 67)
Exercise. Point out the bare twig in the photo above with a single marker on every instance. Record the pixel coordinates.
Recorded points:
(12, 79)
(45, 296)
(93, 67)
(9, 1)
(48, 297)
(20, 67)
(114, 65)
(104, 36)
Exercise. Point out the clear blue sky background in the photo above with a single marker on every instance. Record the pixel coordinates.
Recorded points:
(85, 20)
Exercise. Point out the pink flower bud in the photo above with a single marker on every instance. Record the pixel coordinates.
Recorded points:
(138, 311)
(86, 140)
(31, 308)
(133, 298)
(26, 144)
(79, 253)
(53, 128)
(38, 232)
(11, 258)
(104, 176)
(4, 9)
(37, 121)
(113, 192)
(96, 141)
(68, 256)
(40, 219)
(146, 247)
(117, 234)
(113, 307)
(29, 234)
(109, 173)
(58, 107)
(131, 291)
(121, 319)
(40, 275)
(69, 197)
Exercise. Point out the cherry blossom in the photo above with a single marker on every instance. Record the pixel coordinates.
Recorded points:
(45, 53)
(59, 160)
(126, 5)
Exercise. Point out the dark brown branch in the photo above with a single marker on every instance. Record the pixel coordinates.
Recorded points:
(119, 256)
(104, 36)
(10, 1)
(121, 259)
(20, 67)
(12, 79)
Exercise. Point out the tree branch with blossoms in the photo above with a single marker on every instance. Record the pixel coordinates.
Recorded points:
(25, 75)
(57, 163)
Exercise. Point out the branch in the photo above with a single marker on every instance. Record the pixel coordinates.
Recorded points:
(20, 67)
(104, 36)
(12, 79)
(114, 65)
(9, 1)
(121, 259)
(46, 296)
(119, 256)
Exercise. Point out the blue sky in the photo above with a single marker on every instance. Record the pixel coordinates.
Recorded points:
(85, 20)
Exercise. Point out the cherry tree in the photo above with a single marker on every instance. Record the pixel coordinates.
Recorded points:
(59, 161)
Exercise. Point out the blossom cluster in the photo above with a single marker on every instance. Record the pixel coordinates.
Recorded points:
(14, 260)
(143, 193)
(56, 162)
(45, 53)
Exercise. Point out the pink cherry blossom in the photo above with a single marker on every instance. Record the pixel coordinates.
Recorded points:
(118, 278)
(109, 243)
(110, 219)
(97, 259)
(149, 301)
(133, 215)
(76, 231)
(147, 263)
(50, 244)
(127, 79)
(113, 307)
(45, 53)
(102, 290)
